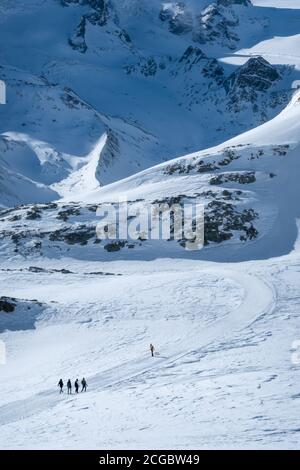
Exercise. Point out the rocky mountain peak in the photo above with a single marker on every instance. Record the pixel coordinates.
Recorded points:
(257, 73)
(178, 16)
(217, 23)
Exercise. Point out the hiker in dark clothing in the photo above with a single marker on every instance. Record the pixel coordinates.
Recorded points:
(76, 385)
(84, 385)
(61, 385)
(69, 386)
(152, 349)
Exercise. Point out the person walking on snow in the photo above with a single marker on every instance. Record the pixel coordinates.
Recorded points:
(76, 385)
(84, 385)
(152, 349)
(69, 386)
(61, 385)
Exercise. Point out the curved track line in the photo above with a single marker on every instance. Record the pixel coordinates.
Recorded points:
(259, 299)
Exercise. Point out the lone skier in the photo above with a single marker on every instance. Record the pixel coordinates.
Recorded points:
(84, 385)
(61, 386)
(69, 386)
(152, 349)
(76, 385)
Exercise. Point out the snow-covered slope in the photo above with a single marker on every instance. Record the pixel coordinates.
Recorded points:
(147, 74)
(222, 375)
(249, 187)
(100, 95)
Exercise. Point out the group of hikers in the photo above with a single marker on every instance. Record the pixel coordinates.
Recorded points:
(83, 382)
(69, 386)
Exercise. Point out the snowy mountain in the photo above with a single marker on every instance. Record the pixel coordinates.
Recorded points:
(149, 75)
(239, 183)
(155, 102)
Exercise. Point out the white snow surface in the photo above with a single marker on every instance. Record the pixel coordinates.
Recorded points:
(221, 377)
(293, 4)
(224, 321)
(152, 105)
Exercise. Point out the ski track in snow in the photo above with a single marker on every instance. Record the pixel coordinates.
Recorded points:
(259, 299)
(223, 375)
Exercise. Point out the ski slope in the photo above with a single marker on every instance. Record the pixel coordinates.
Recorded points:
(196, 336)
(224, 320)
(222, 377)
(223, 337)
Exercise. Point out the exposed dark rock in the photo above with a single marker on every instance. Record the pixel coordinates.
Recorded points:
(195, 57)
(109, 153)
(92, 207)
(7, 305)
(222, 220)
(71, 100)
(202, 165)
(101, 11)
(257, 74)
(238, 177)
(49, 206)
(149, 68)
(99, 6)
(65, 214)
(146, 66)
(15, 218)
(124, 36)
(33, 213)
(115, 245)
(178, 17)
(77, 41)
(192, 56)
(281, 150)
(36, 269)
(102, 273)
(73, 236)
(250, 81)
(229, 156)
(98, 16)
(216, 25)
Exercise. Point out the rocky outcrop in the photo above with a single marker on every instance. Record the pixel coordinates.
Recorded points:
(256, 76)
(199, 165)
(110, 152)
(146, 66)
(99, 10)
(7, 305)
(178, 17)
(18, 314)
(222, 220)
(100, 13)
(195, 57)
(237, 177)
(77, 41)
(217, 23)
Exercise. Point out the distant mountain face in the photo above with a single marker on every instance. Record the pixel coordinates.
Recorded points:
(213, 23)
(204, 22)
(145, 74)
